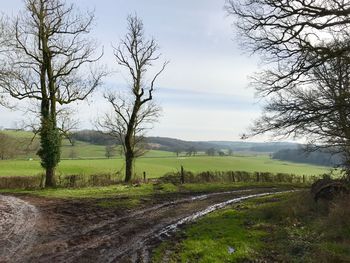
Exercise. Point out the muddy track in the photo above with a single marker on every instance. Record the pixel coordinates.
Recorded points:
(80, 231)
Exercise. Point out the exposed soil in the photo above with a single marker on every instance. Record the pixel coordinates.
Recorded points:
(17, 228)
(56, 230)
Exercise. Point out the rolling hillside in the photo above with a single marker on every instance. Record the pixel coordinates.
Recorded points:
(92, 144)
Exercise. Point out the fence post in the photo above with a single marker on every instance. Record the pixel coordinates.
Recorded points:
(182, 178)
(233, 176)
(144, 177)
(303, 178)
(258, 177)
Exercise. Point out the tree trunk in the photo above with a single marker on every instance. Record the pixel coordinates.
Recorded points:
(50, 177)
(129, 159)
(50, 143)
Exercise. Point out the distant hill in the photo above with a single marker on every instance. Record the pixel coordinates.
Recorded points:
(267, 147)
(90, 143)
(172, 145)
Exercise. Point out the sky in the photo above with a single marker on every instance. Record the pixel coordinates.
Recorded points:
(203, 91)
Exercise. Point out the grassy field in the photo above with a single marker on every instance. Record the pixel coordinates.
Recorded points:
(157, 165)
(85, 158)
(80, 150)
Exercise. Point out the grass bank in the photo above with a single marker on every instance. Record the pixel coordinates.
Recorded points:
(281, 228)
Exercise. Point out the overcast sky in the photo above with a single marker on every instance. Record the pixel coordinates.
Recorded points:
(203, 91)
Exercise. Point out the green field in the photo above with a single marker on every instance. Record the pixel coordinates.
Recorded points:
(80, 150)
(90, 159)
(158, 166)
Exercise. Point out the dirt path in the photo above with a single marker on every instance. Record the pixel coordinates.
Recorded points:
(80, 231)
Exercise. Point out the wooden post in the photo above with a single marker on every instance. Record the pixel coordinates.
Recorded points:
(182, 178)
(144, 177)
(303, 178)
(258, 177)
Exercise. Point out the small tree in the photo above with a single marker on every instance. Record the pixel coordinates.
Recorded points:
(44, 60)
(73, 153)
(191, 151)
(222, 153)
(177, 151)
(211, 151)
(134, 112)
(110, 151)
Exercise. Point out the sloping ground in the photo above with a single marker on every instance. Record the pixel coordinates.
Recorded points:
(81, 231)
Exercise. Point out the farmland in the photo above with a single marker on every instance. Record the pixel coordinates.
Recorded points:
(85, 158)
(158, 166)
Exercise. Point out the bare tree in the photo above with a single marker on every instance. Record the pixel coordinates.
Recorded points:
(47, 59)
(319, 110)
(292, 36)
(191, 151)
(305, 83)
(177, 151)
(134, 113)
(73, 154)
(110, 151)
(211, 151)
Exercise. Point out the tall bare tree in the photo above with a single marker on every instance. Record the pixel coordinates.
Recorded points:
(134, 112)
(305, 82)
(47, 57)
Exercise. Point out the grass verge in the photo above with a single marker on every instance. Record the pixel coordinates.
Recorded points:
(142, 190)
(280, 228)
